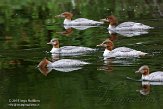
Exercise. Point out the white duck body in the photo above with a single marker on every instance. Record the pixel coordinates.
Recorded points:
(66, 65)
(68, 50)
(63, 65)
(123, 52)
(155, 76)
(129, 26)
(81, 22)
(71, 50)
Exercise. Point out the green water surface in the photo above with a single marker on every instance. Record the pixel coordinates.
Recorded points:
(27, 25)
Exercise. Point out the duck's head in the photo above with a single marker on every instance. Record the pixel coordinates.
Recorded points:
(144, 70)
(108, 44)
(66, 15)
(54, 42)
(111, 19)
(43, 66)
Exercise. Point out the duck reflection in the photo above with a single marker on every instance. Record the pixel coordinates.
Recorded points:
(67, 32)
(107, 66)
(146, 87)
(130, 33)
(62, 65)
(110, 63)
(69, 29)
(113, 37)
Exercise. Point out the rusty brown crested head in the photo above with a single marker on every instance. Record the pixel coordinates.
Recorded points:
(108, 44)
(144, 70)
(66, 15)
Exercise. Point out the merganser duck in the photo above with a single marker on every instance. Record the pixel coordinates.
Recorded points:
(68, 50)
(155, 76)
(62, 65)
(126, 26)
(120, 51)
(77, 22)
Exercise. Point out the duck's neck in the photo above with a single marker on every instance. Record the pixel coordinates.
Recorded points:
(43, 66)
(56, 45)
(111, 27)
(145, 72)
(145, 75)
(68, 31)
(67, 20)
(109, 48)
(44, 63)
(55, 49)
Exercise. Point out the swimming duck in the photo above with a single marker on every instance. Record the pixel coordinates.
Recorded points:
(63, 65)
(126, 26)
(77, 22)
(155, 76)
(68, 50)
(120, 51)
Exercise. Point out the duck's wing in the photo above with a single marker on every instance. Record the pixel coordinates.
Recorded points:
(81, 20)
(75, 49)
(80, 27)
(156, 76)
(67, 69)
(131, 33)
(126, 25)
(132, 26)
(84, 21)
(122, 49)
(68, 47)
(67, 63)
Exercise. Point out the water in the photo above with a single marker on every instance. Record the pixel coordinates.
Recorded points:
(27, 26)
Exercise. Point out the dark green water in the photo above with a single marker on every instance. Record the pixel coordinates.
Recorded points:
(26, 27)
